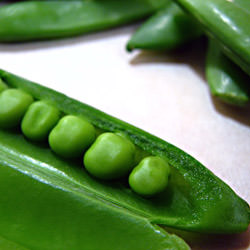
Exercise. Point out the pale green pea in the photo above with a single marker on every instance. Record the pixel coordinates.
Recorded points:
(13, 105)
(39, 119)
(71, 136)
(150, 176)
(3, 86)
(111, 156)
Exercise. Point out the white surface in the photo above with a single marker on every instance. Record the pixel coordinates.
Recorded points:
(165, 95)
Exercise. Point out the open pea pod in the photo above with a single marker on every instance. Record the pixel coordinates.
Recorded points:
(37, 20)
(48, 197)
(228, 23)
(226, 80)
(167, 29)
(45, 205)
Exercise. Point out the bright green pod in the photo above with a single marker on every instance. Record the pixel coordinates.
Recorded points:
(3, 86)
(111, 156)
(39, 119)
(13, 105)
(150, 176)
(226, 80)
(71, 136)
(73, 204)
(168, 29)
(228, 23)
(34, 20)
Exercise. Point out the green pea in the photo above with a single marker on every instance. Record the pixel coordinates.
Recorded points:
(39, 119)
(111, 156)
(71, 136)
(13, 105)
(150, 176)
(3, 86)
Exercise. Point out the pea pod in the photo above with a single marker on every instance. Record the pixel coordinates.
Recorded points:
(168, 29)
(3, 86)
(10, 245)
(46, 206)
(61, 193)
(226, 80)
(228, 23)
(25, 21)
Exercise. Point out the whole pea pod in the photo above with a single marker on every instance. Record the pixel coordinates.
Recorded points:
(228, 23)
(167, 29)
(49, 202)
(24, 21)
(226, 80)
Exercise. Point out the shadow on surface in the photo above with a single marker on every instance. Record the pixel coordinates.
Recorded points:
(192, 54)
(199, 241)
(240, 114)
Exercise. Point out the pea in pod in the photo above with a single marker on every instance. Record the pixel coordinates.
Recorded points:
(114, 153)
(226, 80)
(228, 23)
(168, 29)
(39, 119)
(65, 204)
(150, 176)
(71, 136)
(24, 21)
(14, 103)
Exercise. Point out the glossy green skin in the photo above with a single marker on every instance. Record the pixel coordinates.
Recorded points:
(71, 136)
(25, 21)
(226, 80)
(111, 156)
(3, 86)
(228, 23)
(195, 200)
(48, 203)
(150, 176)
(10, 245)
(168, 29)
(38, 121)
(13, 105)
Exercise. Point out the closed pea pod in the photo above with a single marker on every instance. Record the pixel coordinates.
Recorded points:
(34, 20)
(13, 105)
(111, 156)
(168, 29)
(150, 176)
(71, 136)
(226, 80)
(39, 119)
(228, 23)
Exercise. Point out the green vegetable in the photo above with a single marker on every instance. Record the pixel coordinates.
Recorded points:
(111, 156)
(58, 205)
(168, 29)
(71, 136)
(226, 80)
(35, 20)
(13, 105)
(150, 177)
(228, 23)
(3, 86)
(9, 245)
(46, 204)
(39, 119)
